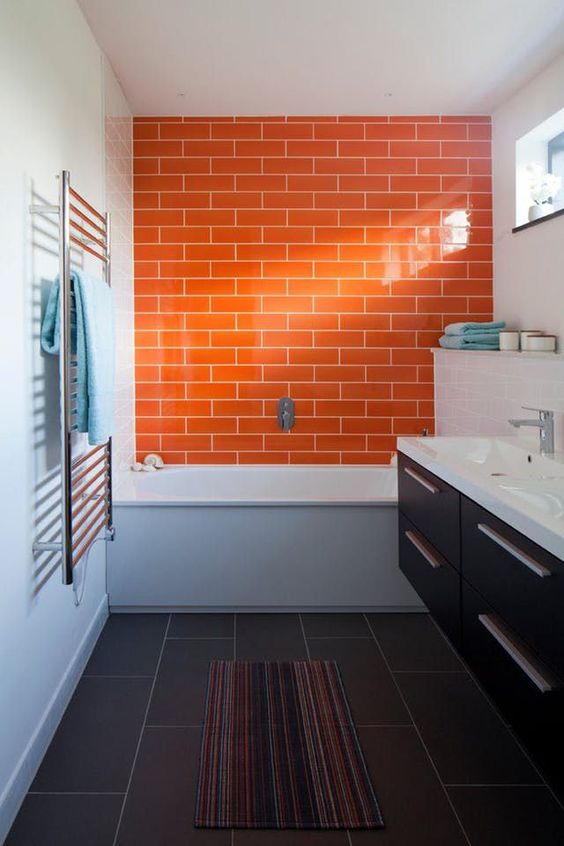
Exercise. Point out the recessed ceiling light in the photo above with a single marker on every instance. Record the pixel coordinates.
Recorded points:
(387, 94)
(180, 94)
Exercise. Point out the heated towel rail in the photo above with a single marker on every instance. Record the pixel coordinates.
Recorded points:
(86, 478)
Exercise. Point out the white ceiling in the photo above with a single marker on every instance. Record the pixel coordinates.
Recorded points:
(324, 56)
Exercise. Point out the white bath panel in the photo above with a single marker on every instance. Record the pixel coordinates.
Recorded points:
(245, 557)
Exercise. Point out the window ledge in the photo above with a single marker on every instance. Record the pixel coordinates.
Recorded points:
(530, 223)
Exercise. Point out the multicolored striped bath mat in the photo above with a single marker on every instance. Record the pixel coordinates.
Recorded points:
(280, 750)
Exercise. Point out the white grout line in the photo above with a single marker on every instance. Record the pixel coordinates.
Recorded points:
(461, 672)
(234, 637)
(535, 784)
(202, 637)
(173, 726)
(339, 637)
(447, 641)
(469, 672)
(113, 676)
(75, 793)
(304, 637)
(535, 768)
(142, 730)
(415, 726)
(383, 725)
(501, 717)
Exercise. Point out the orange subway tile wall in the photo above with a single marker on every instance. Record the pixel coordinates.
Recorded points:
(315, 257)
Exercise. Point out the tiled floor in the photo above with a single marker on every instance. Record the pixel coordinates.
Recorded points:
(122, 768)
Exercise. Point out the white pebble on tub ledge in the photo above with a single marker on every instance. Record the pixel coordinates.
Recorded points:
(153, 460)
(257, 537)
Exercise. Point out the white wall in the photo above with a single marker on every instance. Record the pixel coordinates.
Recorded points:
(528, 265)
(52, 118)
(118, 129)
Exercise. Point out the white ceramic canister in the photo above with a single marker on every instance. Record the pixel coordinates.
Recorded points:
(526, 334)
(541, 343)
(508, 340)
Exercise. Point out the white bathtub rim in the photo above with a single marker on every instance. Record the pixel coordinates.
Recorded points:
(123, 497)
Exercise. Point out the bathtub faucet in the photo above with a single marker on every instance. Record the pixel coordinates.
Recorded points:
(286, 413)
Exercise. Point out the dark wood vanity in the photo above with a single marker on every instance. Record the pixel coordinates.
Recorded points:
(498, 597)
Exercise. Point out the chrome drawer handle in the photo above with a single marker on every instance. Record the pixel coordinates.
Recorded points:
(423, 550)
(543, 684)
(538, 569)
(422, 480)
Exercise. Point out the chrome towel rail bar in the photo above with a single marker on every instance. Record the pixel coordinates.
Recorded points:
(86, 510)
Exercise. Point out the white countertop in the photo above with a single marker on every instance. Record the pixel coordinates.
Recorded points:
(507, 476)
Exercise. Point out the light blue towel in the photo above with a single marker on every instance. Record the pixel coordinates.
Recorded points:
(470, 342)
(92, 341)
(476, 338)
(468, 328)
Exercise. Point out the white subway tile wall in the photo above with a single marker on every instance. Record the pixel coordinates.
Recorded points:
(477, 392)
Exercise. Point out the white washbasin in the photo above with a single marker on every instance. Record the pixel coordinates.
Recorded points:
(544, 495)
(497, 459)
(505, 475)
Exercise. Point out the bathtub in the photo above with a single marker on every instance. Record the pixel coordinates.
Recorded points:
(257, 538)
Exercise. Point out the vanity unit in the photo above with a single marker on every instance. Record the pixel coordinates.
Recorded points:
(496, 592)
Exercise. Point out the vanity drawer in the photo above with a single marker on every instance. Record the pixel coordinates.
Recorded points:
(527, 692)
(436, 582)
(432, 505)
(524, 583)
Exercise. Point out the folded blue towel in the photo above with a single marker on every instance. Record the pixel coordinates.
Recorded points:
(92, 341)
(469, 342)
(476, 338)
(468, 328)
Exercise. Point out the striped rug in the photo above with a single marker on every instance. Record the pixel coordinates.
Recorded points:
(280, 750)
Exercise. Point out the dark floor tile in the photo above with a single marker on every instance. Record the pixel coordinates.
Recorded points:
(465, 736)
(290, 838)
(201, 625)
(269, 637)
(415, 808)
(94, 745)
(370, 688)
(413, 642)
(160, 806)
(181, 684)
(509, 816)
(129, 645)
(66, 821)
(335, 625)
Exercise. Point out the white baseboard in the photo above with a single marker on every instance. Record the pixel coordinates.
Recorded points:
(24, 772)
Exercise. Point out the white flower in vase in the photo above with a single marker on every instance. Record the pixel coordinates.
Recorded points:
(542, 188)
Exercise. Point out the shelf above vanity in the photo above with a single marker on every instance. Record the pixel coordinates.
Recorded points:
(500, 354)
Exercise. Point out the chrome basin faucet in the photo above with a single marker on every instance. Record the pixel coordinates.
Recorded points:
(545, 425)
